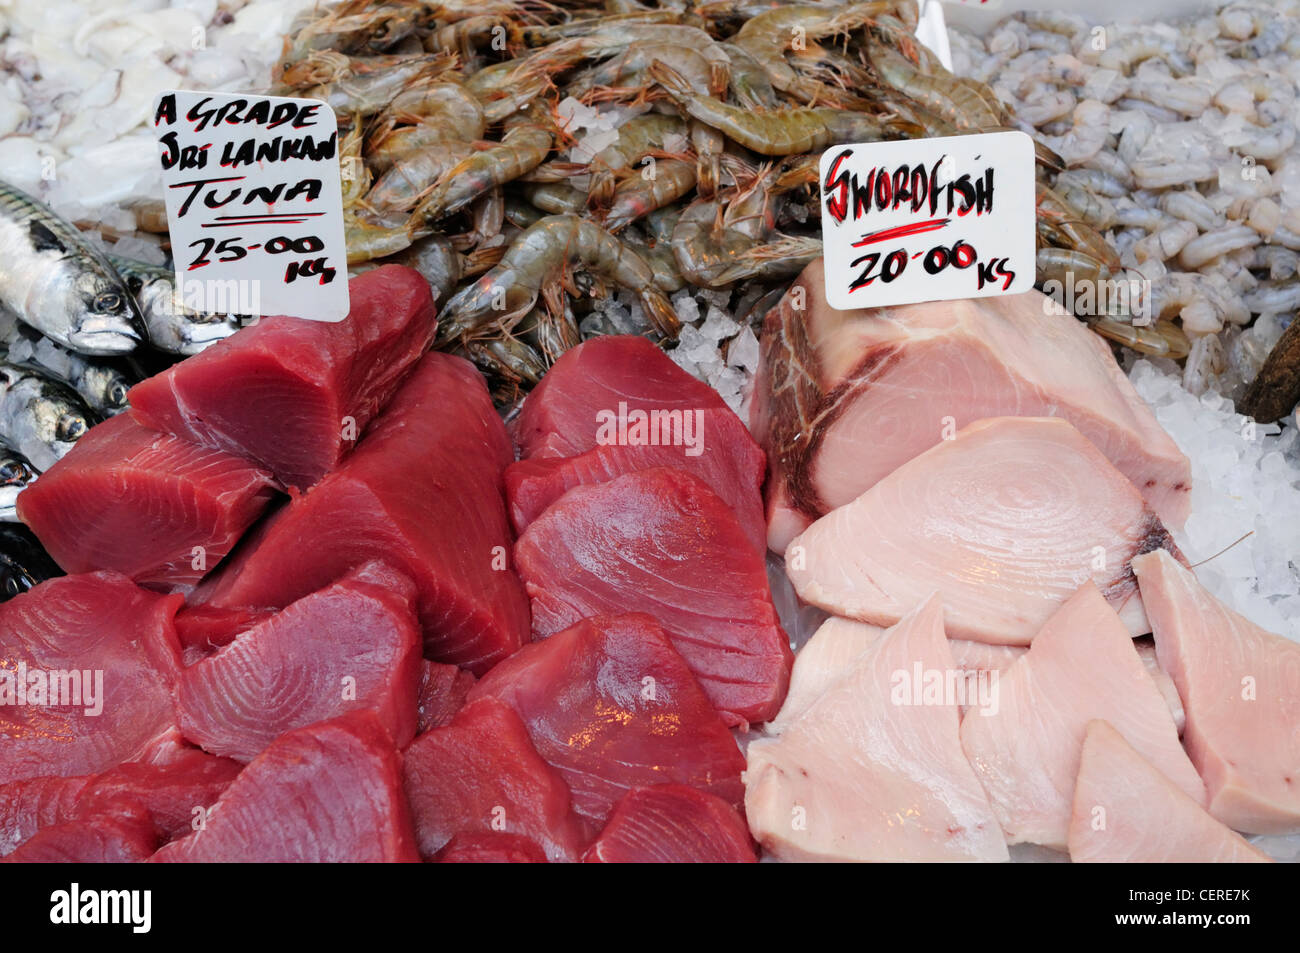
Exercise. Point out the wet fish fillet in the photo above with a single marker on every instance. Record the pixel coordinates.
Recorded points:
(860, 776)
(1125, 811)
(823, 660)
(847, 397)
(491, 847)
(672, 824)
(1025, 746)
(1146, 649)
(162, 510)
(1241, 687)
(295, 395)
(1007, 520)
(123, 835)
(443, 689)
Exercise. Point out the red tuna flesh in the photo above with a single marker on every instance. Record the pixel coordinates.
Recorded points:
(124, 835)
(494, 847)
(613, 706)
(28, 806)
(673, 824)
(327, 793)
(480, 772)
(201, 629)
(423, 493)
(660, 541)
(354, 644)
(293, 394)
(442, 694)
(576, 409)
(161, 510)
(96, 623)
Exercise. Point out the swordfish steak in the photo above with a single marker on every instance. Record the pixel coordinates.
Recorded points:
(867, 773)
(1125, 811)
(1007, 520)
(422, 492)
(293, 394)
(1081, 666)
(843, 398)
(1240, 687)
(160, 509)
(76, 637)
(660, 541)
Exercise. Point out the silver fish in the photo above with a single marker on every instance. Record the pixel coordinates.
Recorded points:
(39, 417)
(171, 326)
(16, 474)
(102, 386)
(59, 283)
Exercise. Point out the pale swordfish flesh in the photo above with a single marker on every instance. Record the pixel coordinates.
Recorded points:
(868, 774)
(1025, 748)
(1240, 685)
(843, 398)
(1125, 811)
(1007, 520)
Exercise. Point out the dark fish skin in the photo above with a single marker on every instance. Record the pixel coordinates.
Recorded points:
(16, 474)
(23, 562)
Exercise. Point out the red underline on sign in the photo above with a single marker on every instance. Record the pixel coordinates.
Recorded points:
(261, 215)
(258, 221)
(901, 231)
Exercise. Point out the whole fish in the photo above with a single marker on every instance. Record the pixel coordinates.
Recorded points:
(171, 326)
(16, 474)
(59, 283)
(23, 563)
(102, 386)
(39, 417)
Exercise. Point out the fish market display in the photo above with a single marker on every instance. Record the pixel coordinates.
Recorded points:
(152, 506)
(352, 645)
(39, 417)
(1240, 686)
(1006, 520)
(1081, 666)
(16, 475)
(309, 388)
(1145, 818)
(672, 824)
(869, 777)
(492, 847)
(122, 836)
(171, 326)
(101, 385)
(23, 561)
(443, 690)
(821, 662)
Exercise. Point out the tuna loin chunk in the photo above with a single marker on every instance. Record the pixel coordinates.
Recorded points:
(1125, 811)
(327, 793)
(354, 644)
(660, 541)
(422, 493)
(874, 777)
(120, 643)
(846, 397)
(123, 835)
(672, 824)
(1025, 746)
(293, 394)
(159, 509)
(612, 705)
(1240, 687)
(1007, 520)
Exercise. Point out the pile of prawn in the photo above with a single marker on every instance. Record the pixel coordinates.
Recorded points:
(1181, 147)
(695, 167)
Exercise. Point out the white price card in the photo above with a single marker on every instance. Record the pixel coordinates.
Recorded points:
(928, 219)
(254, 203)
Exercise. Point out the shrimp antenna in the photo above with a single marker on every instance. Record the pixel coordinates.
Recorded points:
(1223, 550)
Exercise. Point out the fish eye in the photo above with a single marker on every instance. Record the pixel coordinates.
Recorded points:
(14, 473)
(117, 394)
(107, 302)
(13, 587)
(70, 428)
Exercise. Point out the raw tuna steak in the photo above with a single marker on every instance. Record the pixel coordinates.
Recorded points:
(353, 645)
(672, 824)
(611, 704)
(1025, 746)
(491, 848)
(844, 398)
(121, 836)
(159, 509)
(1006, 520)
(872, 774)
(202, 629)
(1240, 686)
(660, 541)
(120, 642)
(442, 694)
(423, 493)
(28, 806)
(327, 793)
(619, 393)
(293, 394)
(481, 774)
(827, 656)
(1125, 811)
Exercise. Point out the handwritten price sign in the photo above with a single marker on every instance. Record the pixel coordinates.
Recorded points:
(928, 219)
(254, 203)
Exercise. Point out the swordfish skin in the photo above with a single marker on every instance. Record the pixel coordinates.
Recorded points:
(843, 398)
(866, 774)
(1007, 520)
(1240, 686)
